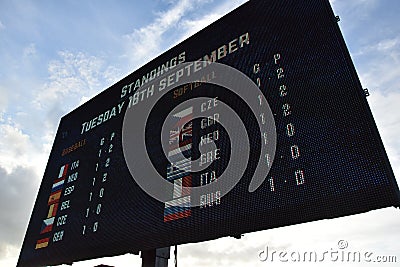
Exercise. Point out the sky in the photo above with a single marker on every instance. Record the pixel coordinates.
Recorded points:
(56, 55)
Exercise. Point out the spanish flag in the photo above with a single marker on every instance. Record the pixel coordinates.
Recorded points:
(54, 197)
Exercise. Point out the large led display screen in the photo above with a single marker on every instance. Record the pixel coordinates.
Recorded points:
(257, 121)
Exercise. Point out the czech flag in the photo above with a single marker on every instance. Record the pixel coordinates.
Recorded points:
(47, 225)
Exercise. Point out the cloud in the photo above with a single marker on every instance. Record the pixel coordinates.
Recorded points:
(16, 203)
(73, 74)
(385, 108)
(377, 65)
(126, 260)
(389, 47)
(26, 138)
(30, 50)
(225, 251)
(17, 150)
(170, 27)
(191, 25)
(359, 8)
(144, 43)
(73, 77)
(378, 236)
(23, 155)
(2, 27)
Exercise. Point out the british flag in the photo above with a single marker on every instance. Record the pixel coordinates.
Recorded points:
(178, 169)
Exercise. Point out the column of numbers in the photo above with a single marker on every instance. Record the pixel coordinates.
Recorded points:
(262, 118)
(98, 184)
(287, 113)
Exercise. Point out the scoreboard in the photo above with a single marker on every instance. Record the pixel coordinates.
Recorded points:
(255, 122)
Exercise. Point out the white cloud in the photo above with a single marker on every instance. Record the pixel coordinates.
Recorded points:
(28, 133)
(388, 44)
(112, 75)
(378, 236)
(387, 47)
(17, 195)
(71, 77)
(2, 27)
(385, 108)
(14, 148)
(144, 43)
(378, 65)
(193, 25)
(30, 50)
(127, 260)
(359, 8)
(8, 255)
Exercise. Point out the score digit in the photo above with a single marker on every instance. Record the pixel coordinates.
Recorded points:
(290, 129)
(299, 174)
(95, 225)
(277, 57)
(283, 90)
(280, 74)
(286, 110)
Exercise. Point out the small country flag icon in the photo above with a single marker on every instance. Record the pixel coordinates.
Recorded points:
(52, 210)
(47, 225)
(177, 209)
(42, 243)
(54, 197)
(63, 171)
(57, 185)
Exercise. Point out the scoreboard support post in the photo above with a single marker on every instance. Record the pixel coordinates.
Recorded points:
(155, 257)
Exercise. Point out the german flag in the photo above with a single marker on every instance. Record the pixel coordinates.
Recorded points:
(42, 243)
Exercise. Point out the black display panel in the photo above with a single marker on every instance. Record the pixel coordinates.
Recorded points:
(329, 160)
